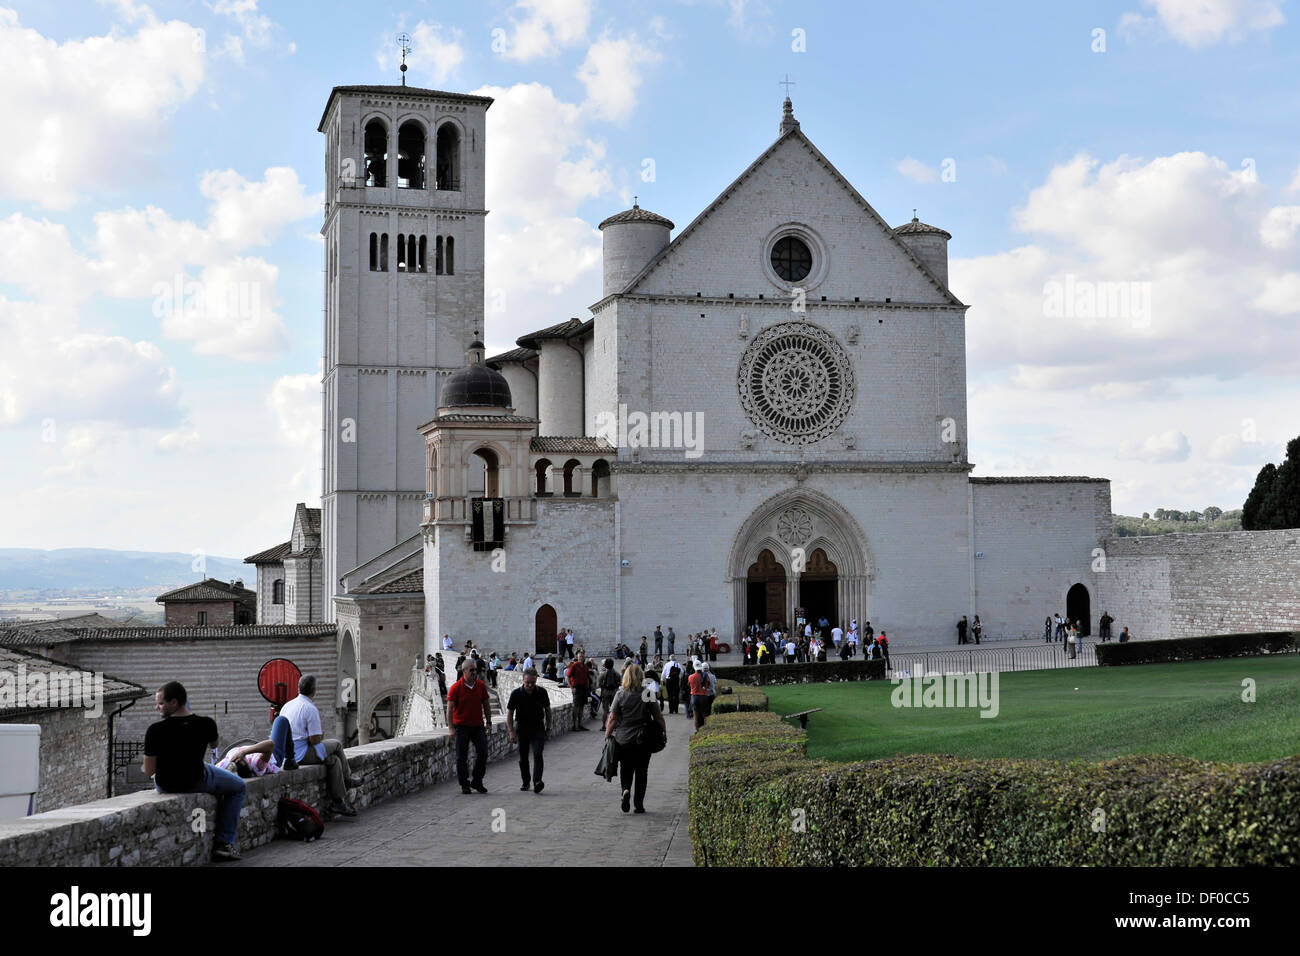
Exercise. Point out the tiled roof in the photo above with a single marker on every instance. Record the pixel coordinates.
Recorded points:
(311, 519)
(208, 590)
(916, 227)
(514, 355)
(398, 90)
(1034, 479)
(406, 584)
(11, 659)
(497, 419)
(561, 330)
(92, 619)
(636, 214)
(270, 555)
(126, 635)
(578, 444)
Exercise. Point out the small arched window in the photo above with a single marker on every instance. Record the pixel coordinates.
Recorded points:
(401, 253)
(410, 253)
(383, 253)
(374, 252)
(410, 156)
(277, 592)
(448, 164)
(491, 474)
(376, 147)
(423, 244)
(600, 478)
(573, 478)
(543, 471)
(450, 257)
(437, 256)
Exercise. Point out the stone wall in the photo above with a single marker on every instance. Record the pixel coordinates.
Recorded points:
(74, 755)
(153, 829)
(1186, 585)
(186, 613)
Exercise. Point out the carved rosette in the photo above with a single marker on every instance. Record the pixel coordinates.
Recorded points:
(796, 382)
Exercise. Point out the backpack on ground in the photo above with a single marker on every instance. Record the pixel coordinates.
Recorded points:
(297, 820)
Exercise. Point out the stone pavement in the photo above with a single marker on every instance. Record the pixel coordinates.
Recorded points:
(440, 826)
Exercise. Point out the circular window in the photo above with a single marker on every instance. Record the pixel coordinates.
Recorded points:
(796, 383)
(791, 259)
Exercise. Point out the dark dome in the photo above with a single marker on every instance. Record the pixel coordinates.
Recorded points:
(475, 385)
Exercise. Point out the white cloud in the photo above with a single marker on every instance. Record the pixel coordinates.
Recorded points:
(916, 170)
(295, 401)
(1231, 449)
(1280, 295)
(436, 50)
(612, 74)
(541, 28)
(1170, 446)
(178, 439)
(257, 26)
(1202, 23)
(1278, 230)
(1294, 186)
(91, 114)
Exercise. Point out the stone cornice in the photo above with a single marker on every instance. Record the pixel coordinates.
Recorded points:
(808, 468)
(782, 304)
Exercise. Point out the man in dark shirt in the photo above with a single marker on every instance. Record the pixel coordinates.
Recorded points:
(469, 712)
(528, 720)
(174, 748)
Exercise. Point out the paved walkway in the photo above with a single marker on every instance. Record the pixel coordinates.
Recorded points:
(440, 826)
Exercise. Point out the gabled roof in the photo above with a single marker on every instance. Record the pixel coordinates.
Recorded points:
(412, 582)
(270, 555)
(514, 355)
(793, 134)
(309, 517)
(208, 590)
(568, 329)
(399, 90)
(92, 619)
(11, 659)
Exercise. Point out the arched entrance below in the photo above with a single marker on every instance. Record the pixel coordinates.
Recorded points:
(1078, 607)
(544, 630)
(348, 692)
(818, 589)
(765, 590)
(384, 717)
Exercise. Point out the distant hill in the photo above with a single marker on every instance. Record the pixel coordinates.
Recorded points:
(70, 568)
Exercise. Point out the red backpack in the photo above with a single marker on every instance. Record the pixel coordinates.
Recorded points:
(297, 820)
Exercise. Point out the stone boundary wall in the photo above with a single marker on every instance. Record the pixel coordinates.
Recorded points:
(1214, 582)
(154, 829)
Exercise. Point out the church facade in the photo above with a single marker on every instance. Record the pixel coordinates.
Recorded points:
(763, 417)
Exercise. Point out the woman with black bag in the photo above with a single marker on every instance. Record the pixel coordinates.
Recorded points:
(638, 729)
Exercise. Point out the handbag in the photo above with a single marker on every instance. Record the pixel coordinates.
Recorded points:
(653, 739)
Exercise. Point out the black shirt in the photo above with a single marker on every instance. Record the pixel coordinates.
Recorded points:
(529, 709)
(180, 744)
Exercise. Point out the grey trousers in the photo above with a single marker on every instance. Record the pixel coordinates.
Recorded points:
(336, 767)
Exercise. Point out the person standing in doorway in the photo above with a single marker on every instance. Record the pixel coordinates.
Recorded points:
(528, 720)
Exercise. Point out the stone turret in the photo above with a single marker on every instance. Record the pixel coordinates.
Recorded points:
(630, 240)
(929, 244)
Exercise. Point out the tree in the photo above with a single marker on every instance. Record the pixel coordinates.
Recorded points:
(1212, 513)
(1160, 514)
(1274, 502)
(1146, 516)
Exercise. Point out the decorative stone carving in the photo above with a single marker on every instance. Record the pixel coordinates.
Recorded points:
(742, 326)
(851, 335)
(796, 382)
(794, 527)
(747, 438)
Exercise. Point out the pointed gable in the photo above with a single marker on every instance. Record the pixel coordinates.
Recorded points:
(722, 250)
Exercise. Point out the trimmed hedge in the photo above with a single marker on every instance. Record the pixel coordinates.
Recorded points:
(750, 773)
(758, 675)
(733, 697)
(1210, 647)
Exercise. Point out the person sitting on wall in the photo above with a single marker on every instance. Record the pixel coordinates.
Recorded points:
(310, 746)
(1125, 636)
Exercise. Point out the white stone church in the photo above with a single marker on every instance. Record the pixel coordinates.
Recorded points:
(763, 417)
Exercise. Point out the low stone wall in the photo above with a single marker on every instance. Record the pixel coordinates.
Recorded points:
(154, 829)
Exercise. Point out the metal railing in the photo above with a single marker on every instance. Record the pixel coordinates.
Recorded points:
(984, 659)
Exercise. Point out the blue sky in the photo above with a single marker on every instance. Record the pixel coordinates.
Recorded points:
(170, 140)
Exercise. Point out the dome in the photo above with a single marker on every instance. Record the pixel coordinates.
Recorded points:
(636, 214)
(918, 228)
(475, 385)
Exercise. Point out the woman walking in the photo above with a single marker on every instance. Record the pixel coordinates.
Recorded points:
(627, 720)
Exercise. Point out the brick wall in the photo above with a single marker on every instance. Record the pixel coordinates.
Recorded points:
(186, 613)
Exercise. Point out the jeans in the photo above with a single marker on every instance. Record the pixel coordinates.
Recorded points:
(464, 736)
(282, 737)
(230, 791)
(633, 770)
(533, 740)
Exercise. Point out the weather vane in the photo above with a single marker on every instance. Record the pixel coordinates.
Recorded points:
(404, 41)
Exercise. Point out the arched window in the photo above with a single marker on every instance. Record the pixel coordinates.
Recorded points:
(410, 156)
(448, 166)
(374, 252)
(423, 244)
(401, 253)
(383, 253)
(410, 254)
(376, 153)
(543, 470)
(573, 478)
(437, 256)
(450, 258)
(600, 478)
(277, 591)
(489, 480)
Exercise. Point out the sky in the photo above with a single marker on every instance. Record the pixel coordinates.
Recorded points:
(1121, 180)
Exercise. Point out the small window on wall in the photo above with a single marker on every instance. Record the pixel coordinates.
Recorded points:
(277, 592)
(451, 256)
(383, 253)
(437, 256)
(203, 618)
(374, 252)
(401, 254)
(423, 244)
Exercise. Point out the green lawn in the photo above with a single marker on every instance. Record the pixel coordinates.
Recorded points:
(1194, 709)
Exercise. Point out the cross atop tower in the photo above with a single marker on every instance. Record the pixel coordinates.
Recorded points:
(404, 43)
(787, 83)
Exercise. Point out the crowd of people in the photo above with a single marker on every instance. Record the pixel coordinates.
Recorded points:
(1070, 634)
(808, 642)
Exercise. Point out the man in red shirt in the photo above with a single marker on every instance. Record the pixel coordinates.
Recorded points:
(580, 681)
(469, 713)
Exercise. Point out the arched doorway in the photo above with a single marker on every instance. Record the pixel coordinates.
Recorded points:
(1078, 607)
(348, 692)
(765, 590)
(384, 717)
(818, 586)
(544, 630)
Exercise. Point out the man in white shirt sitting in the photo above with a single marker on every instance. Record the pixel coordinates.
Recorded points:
(310, 747)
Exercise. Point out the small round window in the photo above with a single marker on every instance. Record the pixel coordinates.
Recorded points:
(791, 259)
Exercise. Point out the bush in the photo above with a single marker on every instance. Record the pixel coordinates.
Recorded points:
(830, 672)
(1211, 647)
(733, 697)
(751, 786)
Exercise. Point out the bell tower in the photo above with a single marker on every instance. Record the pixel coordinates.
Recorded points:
(403, 270)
